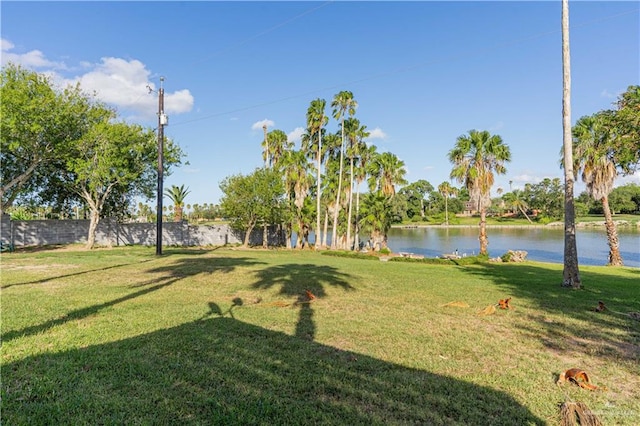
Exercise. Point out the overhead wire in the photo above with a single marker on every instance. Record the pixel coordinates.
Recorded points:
(407, 68)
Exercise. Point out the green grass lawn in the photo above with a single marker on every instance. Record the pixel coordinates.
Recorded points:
(227, 336)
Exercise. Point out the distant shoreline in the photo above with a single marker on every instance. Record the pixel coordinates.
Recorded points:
(594, 224)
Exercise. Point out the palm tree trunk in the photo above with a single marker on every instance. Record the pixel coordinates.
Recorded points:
(615, 259)
(350, 208)
(326, 229)
(525, 214)
(484, 241)
(318, 193)
(446, 211)
(356, 241)
(571, 273)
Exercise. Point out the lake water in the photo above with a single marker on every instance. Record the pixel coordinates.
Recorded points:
(544, 244)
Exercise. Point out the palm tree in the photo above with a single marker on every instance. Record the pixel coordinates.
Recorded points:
(276, 144)
(571, 272)
(475, 158)
(265, 145)
(177, 194)
(297, 184)
(386, 170)
(342, 103)
(366, 155)
(592, 153)
(446, 190)
(516, 201)
(316, 120)
(356, 134)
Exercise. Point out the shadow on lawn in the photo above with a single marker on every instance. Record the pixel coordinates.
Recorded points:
(295, 280)
(607, 335)
(170, 273)
(224, 371)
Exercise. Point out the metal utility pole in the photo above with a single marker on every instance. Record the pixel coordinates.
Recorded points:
(162, 121)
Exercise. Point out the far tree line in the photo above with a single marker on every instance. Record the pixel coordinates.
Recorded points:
(64, 151)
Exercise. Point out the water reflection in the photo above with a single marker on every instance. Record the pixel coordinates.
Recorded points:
(541, 243)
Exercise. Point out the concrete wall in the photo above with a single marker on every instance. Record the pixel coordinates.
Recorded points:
(110, 232)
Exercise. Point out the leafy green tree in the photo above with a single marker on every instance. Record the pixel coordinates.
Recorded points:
(37, 125)
(592, 154)
(177, 195)
(252, 200)
(115, 158)
(416, 195)
(476, 158)
(626, 130)
(626, 199)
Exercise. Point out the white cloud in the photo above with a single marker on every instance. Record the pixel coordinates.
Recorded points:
(121, 83)
(259, 124)
(606, 94)
(296, 134)
(32, 59)
(377, 133)
(633, 178)
(499, 125)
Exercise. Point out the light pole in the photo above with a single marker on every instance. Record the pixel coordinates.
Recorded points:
(163, 120)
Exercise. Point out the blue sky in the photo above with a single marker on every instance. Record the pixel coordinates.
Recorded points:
(423, 73)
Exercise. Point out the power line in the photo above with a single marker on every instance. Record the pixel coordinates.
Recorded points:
(407, 68)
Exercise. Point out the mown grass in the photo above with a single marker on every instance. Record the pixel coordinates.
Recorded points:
(227, 336)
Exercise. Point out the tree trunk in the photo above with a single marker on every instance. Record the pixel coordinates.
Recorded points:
(484, 241)
(446, 211)
(356, 240)
(350, 209)
(247, 235)
(326, 229)
(265, 236)
(93, 227)
(318, 193)
(571, 273)
(334, 231)
(615, 259)
(525, 214)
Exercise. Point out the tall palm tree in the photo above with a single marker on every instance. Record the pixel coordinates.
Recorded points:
(386, 171)
(277, 142)
(366, 155)
(316, 120)
(356, 134)
(265, 145)
(592, 153)
(446, 190)
(177, 195)
(342, 103)
(476, 158)
(297, 184)
(571, 272)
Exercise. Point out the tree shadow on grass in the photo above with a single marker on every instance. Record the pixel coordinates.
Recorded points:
(608, 335)
(295, 280)
(224, 371)
(170, 273)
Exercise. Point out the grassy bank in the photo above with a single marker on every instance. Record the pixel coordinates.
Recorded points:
(224, 336)
(631, 219)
